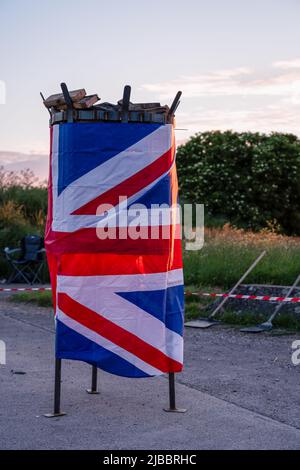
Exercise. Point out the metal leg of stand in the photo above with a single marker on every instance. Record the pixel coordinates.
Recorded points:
(57, 389)
(93, 390)
(172, 396)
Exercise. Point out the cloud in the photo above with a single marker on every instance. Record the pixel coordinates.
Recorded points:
(239, 98)
(287, 64)
(234, 82)
(16, 161)
(222, 82)
(266, 119)
(2, 92)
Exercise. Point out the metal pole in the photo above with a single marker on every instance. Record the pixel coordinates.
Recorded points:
(174, 105)
(268, 325)
(125, 103)
(57, 390)
(237, 284)
(280, 305)
(93, 389)
(57, 386)
(172, 391)
(172, 396)
(69, 102)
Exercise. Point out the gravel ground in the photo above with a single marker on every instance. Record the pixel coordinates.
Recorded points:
(241, 392)
(252, 370)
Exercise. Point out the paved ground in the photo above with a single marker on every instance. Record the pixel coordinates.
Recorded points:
(252, 371)
(241, 393)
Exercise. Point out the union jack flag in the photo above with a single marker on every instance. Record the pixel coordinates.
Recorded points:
(118, 300)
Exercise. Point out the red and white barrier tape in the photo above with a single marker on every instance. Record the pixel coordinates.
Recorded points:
(16, 289)
(248, 297)
(187, 293)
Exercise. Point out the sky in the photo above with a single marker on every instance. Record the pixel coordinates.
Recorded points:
(237, 63)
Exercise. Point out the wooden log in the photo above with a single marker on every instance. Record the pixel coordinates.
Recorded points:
(86, 102)
(57, 100)
(146, 106)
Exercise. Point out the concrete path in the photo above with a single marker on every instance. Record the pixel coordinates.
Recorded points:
(126, 415)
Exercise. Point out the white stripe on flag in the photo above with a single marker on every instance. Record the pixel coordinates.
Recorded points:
(125, 282)
(54, 170)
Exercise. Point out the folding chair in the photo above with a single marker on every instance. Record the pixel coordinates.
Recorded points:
(27, 267)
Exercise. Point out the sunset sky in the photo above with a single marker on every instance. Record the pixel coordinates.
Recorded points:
(236, 61)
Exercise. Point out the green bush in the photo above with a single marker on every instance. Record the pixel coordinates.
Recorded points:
(250, 179)
(23, 208)
(29, 197)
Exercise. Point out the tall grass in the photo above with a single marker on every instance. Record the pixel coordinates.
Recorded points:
(228, 252)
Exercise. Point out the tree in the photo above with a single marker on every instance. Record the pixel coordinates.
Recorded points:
(251, 179)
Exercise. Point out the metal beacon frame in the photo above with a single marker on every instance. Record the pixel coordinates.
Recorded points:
(69, 113)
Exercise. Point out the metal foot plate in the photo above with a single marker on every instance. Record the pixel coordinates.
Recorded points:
(201, 323)
(175, 410)
(256, 329)
(54, 415)
(92, 392)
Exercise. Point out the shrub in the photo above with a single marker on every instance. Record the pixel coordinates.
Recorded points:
(250, 179)
(23, 207)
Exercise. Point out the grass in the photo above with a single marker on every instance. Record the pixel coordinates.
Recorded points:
(226, 255)
(228, 252)
(42, 299)
(195, 307)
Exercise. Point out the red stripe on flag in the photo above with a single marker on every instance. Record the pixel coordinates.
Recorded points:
(114, 333)
(130, 186)
(102, 264)
(86, 241)
(51, 258)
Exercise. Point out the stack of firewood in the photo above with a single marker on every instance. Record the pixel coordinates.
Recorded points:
(76, 105)
(79, 99)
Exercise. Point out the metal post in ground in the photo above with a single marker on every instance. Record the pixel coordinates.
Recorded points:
(57, 390)
(210, 320)
(93, 390)
(172, 396)
(268, 325)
